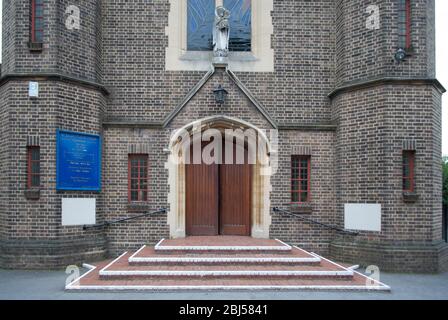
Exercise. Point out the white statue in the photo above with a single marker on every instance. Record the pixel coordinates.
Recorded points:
(221, 32)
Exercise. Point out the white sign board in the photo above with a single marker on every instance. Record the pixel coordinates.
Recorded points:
(78, 211)
(362, 217)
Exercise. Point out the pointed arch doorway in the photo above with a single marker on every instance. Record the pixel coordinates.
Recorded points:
(185, 203)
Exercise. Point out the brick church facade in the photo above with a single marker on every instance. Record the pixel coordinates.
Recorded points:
(358, 129)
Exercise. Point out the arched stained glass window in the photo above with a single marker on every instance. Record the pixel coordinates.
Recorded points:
(200, 20)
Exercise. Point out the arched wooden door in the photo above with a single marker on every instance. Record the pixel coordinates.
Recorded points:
(218, 197)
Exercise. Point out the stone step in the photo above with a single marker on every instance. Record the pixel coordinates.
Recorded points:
(91, 281)
(120, 268)
(221, 245)
(296, 256)
(218, 267)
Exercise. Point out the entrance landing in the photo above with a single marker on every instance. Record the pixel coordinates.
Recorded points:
(222, 263)
(235, 243)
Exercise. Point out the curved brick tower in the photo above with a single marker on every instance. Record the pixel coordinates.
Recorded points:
(383, 108)
(67, 66)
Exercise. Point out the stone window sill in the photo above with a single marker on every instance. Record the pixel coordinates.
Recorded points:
(138, 206)
(410, 197)
(410, 51)
(35, 46)
(32, 194)
(208, 56)
(301, 208)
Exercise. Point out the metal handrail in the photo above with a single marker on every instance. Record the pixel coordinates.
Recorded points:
(278, 210)
(108, 223)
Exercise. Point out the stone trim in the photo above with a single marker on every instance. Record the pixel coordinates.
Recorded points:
(132, 124)
(123, 123)
(251, 97)
(358, 85)
(54, 77)
(261, 59)
(301, 208)
(410, 197)
(203, 81)
(138, 207)
(307, 126)
(32, 194)
(261, 181)
(188, 97)
(35, 47)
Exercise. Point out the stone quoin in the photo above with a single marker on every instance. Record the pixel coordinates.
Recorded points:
(350, 135)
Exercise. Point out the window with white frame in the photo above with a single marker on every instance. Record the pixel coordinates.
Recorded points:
(190, 35)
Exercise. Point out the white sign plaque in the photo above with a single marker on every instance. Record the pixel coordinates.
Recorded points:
(33, 89)
(78, 211)
(362, 217)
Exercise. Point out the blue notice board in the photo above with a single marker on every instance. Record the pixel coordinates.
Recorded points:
(78, 161)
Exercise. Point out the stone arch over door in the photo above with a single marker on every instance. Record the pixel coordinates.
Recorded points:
(261, 177)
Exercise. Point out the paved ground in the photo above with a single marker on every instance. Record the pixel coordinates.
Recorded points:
(50, 285)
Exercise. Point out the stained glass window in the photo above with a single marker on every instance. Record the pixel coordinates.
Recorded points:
(240, 24)
(201, 17)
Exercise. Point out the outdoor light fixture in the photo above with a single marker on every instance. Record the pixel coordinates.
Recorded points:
(220, 94)
(400, 55)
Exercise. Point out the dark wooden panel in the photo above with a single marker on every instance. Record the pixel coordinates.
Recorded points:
(202, 202)
(235, 197)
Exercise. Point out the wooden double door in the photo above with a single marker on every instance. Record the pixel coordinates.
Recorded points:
(218, 196)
